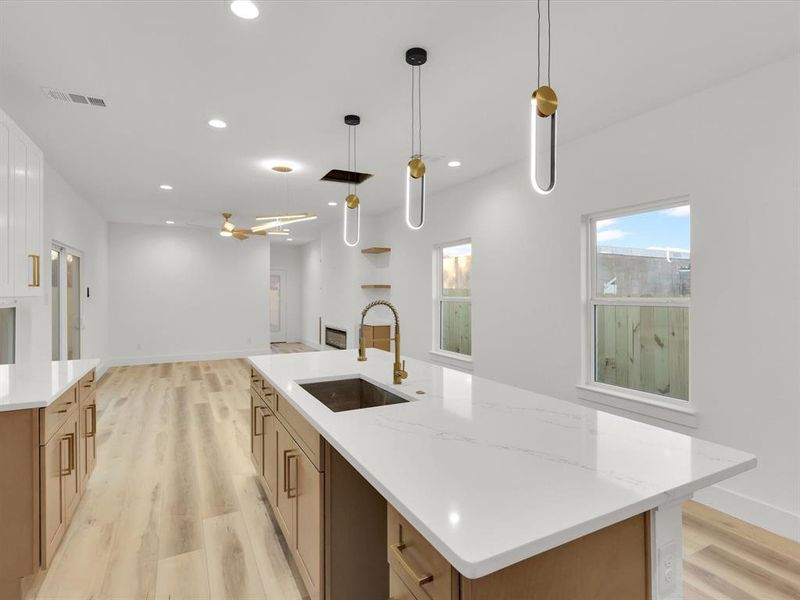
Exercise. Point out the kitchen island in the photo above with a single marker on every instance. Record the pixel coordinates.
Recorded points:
(48, 422)
(518, 492)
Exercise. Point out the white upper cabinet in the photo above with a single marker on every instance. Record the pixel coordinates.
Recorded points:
(21, 218)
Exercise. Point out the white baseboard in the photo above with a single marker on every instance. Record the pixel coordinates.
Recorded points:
(172, 358)
(776, 520)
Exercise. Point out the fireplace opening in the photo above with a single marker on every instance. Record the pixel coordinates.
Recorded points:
(336, 338)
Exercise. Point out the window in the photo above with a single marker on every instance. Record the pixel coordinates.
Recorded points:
(639, 295)
(453, 301)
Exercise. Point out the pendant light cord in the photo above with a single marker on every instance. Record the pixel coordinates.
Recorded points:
(539, 43)
(416, 110)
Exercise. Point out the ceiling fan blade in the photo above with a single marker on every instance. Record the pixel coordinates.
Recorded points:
(239, 236)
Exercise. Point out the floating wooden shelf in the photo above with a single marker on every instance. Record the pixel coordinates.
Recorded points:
(375, 250)
(376, 286)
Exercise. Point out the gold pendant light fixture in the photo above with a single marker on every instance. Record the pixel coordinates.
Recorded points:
(415, 170)
(352, 203)
(544, 103)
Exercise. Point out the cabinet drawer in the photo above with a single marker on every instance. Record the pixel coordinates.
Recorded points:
(262, 388)
(86, 386)
(397, 589)
(55, 415)
(303, 432)
(421, 568)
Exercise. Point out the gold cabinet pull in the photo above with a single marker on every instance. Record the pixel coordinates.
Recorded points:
(397, 550)
(256, 432)
(64, 470)
(291, 492)
(92, 427)
(36, 272)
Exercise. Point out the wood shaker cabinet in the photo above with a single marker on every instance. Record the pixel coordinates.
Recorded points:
(46, 457)
(334, 522)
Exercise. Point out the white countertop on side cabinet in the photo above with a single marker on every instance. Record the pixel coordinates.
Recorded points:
(36, 385)
(493, 474)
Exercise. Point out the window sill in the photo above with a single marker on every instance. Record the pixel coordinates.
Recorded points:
(451, 359)
(633, 405)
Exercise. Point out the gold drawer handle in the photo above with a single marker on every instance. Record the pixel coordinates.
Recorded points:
(397, 550)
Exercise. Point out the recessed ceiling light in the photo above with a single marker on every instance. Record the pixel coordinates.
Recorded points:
(170, 222)
(165, 186)
(280, 165)
(332, 203)
(288, 239)
(454, 163)
(244, 9)
(218, 123)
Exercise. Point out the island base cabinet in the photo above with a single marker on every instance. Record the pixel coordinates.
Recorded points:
(256, 432)
(609, 564)
(308, 523)
(269, 458)
(59, 486)
(285, 504)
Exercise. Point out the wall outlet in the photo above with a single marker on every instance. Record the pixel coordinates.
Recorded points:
(667, 569)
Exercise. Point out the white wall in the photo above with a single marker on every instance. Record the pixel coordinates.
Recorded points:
(288, 258)
(181, 293)
(311, 292)
(70, 220)
(740, 172)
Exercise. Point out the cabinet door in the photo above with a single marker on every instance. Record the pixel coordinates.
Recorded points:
(53, 467)
(270, 460)
(87, 457)
(256, 433)
(285, 488)
(308, 535)
(6, 215)
(72, 479)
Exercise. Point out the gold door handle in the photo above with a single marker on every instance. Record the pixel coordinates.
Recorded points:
(256, 432)
(64, 470)
(36, 273)
(92, 427)
(70, 438)
(290, 492)
(397, 550)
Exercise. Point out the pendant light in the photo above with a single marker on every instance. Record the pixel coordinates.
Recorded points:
(544, 103)
(352, 203)
(415, 170)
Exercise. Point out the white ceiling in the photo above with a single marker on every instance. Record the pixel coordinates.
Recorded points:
(284, 82)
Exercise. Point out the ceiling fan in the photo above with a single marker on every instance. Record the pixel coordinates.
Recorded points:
(230, 230)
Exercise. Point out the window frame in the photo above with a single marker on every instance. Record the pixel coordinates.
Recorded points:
(456, 359)
(627, 400)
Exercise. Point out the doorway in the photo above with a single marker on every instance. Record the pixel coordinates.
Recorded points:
(66, 299)
(277, 305)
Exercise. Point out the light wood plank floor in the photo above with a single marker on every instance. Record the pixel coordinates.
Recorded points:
(173, 509)
(290, 347)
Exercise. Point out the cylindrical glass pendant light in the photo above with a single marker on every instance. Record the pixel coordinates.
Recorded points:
(415, 170)
(544, 103)
(352, 204)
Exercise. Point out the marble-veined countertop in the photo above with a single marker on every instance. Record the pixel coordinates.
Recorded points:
(492, 474)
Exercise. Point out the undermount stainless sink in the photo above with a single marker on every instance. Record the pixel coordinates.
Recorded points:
(350, 394)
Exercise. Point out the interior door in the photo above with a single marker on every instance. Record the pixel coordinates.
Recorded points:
(277, 305)
(66, 302)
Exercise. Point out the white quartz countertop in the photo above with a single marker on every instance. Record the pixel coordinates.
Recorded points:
(491, 474)
(36, 385)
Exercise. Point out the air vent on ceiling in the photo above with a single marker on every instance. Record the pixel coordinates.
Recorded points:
(342, 176)
(74, 98)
